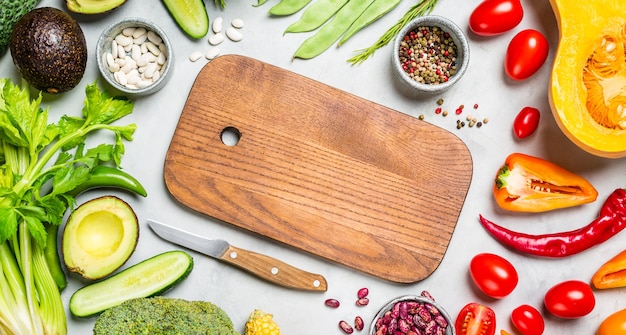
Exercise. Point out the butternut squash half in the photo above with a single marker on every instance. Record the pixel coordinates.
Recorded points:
(588, 80)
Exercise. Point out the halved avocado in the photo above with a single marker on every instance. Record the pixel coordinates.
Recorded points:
(92, 6)
(99, 237)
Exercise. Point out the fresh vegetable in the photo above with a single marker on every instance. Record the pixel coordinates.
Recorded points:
(493, 17)
(99, 237)
(288, 7)
(493, 275)
(49, 49)
(51, 254)
(419, 9)
(528, 320)
(92, 6)
(476, 319)
(148, 278)
(261, 323)
(614, 324)
(611, 221)
(526, 122)
(570, 299)
(316, 15)
(375, 11)
(611, 274)
(588, 73)
(330, 32)
(526, 53)
(10, 12)
(161, 315)
(190, 15)
(34, 186)
(530, 184)
(103, 176)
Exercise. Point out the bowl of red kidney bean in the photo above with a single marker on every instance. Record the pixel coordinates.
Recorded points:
(412, 314)
(431, 53)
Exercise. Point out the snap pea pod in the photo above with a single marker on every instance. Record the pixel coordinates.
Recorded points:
(419, 9)
(375, 11)
(260, 3)
(315, 15)
(288, 7)
(332, 31)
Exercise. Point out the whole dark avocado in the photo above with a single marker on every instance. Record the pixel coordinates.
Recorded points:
(48, 48)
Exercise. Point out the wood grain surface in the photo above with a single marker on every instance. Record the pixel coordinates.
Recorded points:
(318, 169)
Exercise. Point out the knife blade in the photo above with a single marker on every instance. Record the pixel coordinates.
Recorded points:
(263, 266)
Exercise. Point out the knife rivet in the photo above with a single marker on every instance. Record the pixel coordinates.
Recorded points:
(274, 270)
(316, 283)
(233, 255)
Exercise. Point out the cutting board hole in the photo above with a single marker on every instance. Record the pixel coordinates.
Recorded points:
(230, 136)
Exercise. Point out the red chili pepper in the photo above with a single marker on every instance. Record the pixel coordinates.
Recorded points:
(612, 220)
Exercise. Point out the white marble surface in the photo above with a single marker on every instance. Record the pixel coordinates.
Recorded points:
(485, 83)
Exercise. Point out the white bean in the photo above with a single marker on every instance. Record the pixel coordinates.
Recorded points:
(217, 24)
(135, 52)
(216, 39)
(140, 39)
(154, 38)
(128, 31)
(114, 51)
(212, 53)
(194, 56)
(153, 48)
(234, 34)
(237, 23)
(161, 59)
(109, 57)
(139, 32)
(123, 40)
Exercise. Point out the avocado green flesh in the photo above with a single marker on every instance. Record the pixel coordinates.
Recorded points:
(93, 6)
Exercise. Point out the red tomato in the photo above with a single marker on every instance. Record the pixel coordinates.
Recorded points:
(475, 319)
(570, 299)
(614, 324)
(493, 17)
(493, 275)
(526, 122)
(528, 320)
(527, 52)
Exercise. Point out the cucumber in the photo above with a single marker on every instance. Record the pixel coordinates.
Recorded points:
(148, 278)
(190, 15)
(10, 12)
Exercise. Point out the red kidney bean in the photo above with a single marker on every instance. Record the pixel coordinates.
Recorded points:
(346, 327)
(362, 302)
(358, 323)
(332, 303)
(362, 293)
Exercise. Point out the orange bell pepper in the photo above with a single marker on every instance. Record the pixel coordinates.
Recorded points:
(530, 184)
(614, 324)
(612, 273)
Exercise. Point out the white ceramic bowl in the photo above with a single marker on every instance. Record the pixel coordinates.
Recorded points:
(462, 57)
(104, 47)
(413, 298)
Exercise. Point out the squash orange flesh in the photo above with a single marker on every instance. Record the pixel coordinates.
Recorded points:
(588, 81)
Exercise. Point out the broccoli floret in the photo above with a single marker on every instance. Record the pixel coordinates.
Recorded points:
(161, 315)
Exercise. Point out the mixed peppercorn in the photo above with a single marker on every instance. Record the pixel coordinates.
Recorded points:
(428, 55)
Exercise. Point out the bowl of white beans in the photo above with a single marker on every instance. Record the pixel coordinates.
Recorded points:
(430, 55)
(135, 56)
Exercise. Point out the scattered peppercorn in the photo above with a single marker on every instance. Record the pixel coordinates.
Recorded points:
(421, 117)
(428, 55)
(440, 102)
(475, 106)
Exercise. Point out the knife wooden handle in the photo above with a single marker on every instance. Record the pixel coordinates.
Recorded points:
(274, 270)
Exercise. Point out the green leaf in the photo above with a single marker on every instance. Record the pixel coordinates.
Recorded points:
(36, 229)
(100, 108)
(8, 227)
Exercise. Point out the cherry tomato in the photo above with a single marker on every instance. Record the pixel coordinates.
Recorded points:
(570, 299)
(527, 52)
(528, 320)
(493, 275)
(526, 122)
(614, 324)
(493, 17)
(475, 319)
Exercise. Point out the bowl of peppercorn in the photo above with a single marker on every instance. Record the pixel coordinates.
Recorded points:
(419, 314)
(431, 53)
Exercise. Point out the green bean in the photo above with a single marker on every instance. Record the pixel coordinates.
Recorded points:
(421, 8)
(259, 3)
(315, 15)
(332, 31)
(288, 7)
(374, 12)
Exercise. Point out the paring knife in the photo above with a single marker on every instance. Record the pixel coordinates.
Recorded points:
(260, 265)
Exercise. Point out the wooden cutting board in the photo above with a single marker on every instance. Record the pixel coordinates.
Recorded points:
(318, 169)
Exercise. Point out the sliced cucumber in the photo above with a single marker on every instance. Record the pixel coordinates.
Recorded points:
(148, 278)
(190, 15)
